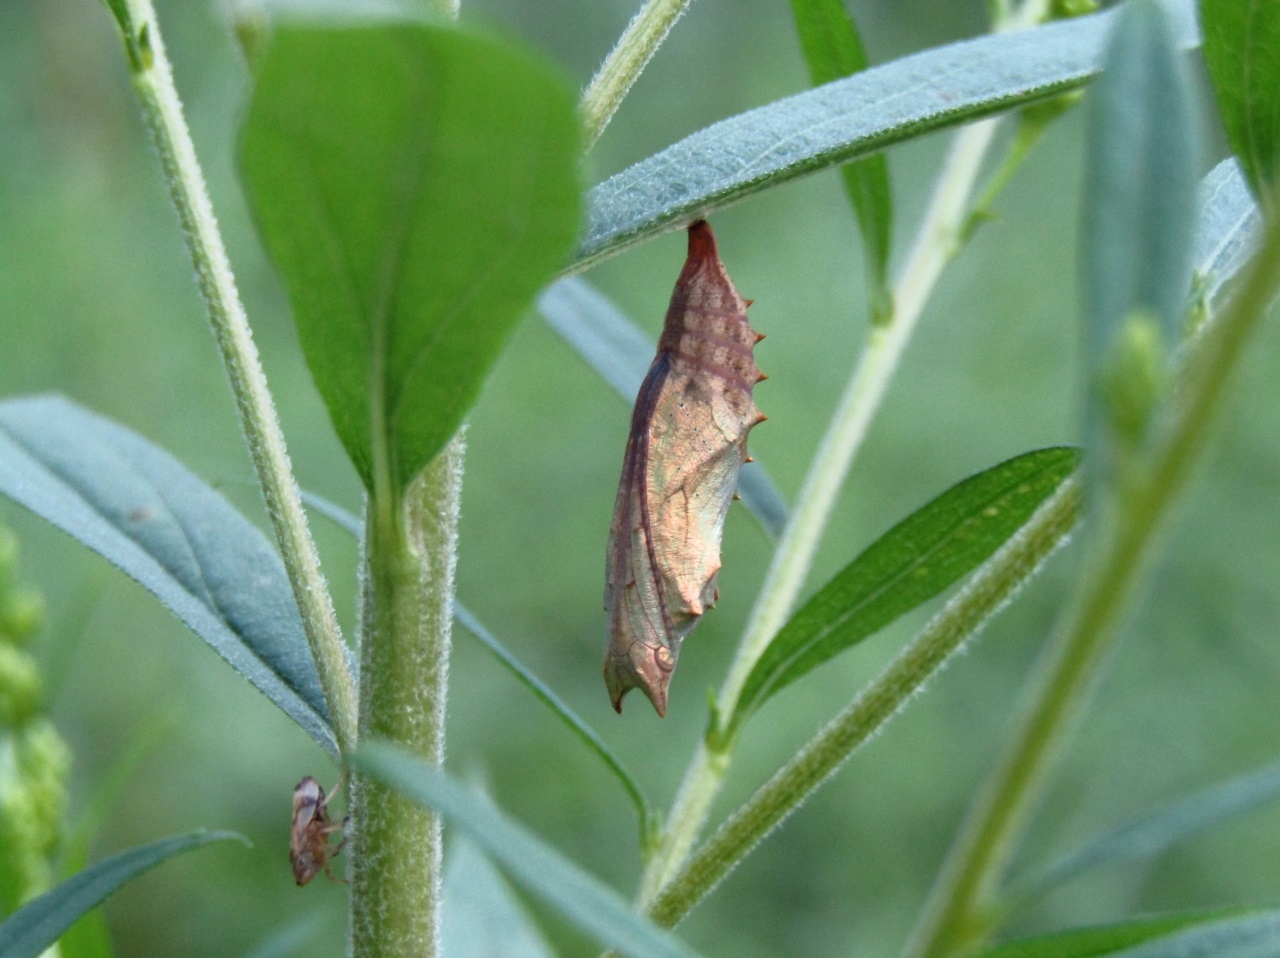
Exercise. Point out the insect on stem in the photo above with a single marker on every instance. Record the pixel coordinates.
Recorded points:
(310, 850)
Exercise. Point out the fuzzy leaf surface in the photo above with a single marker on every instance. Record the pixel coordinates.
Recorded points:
(161, 525)
(847, 120)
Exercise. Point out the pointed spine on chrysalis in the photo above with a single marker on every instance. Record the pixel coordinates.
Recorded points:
(687, 443)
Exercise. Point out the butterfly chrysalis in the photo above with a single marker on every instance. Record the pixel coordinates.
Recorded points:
(687, 443)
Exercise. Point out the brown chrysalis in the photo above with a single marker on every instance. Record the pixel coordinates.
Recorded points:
(688, 441)
(309, 848)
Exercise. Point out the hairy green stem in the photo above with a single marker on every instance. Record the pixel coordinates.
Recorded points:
(963, 907)
(990, 588)
(162, 111)
(625, 62)
(407, 613)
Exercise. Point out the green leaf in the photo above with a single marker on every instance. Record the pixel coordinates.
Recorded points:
(1228, 231)
(415, 185)
(589, 904)
(143, 511)
(912, 562)
(481, 917)
(1102, 939)
(1241, 40)
(89, 937)
(833, 49)
(37, 925)
(1151, 834)
(1140, 178)
(1246, 936)
(1139, 200)
(842, 121)
(621, 353)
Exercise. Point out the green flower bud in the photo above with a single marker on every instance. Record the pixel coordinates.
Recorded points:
(20, 688)
(1134, 379)
(21, 615)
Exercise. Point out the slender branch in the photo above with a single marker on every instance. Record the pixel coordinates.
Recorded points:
(621, 68)
(162, 111)
(990, 588)
(962, 909)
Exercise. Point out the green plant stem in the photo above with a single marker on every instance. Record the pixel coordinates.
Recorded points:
(407, 612)
(963, 907)
(990, 588)
(625, 62)
(162, 111)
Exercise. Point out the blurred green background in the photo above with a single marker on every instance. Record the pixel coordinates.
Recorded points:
(97, 301)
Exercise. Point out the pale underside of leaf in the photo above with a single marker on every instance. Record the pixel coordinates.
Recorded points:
(144, 512)
(844, 121)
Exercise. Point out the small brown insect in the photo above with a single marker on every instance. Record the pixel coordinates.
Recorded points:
(688, 441)
(309, 848)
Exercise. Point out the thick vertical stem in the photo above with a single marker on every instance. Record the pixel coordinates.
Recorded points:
(411, 548)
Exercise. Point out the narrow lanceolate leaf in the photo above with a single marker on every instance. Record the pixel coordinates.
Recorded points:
(679, 473)
(843, 121)
(1096, 941)
(915, 560)
(1159, 830)
(590, 905)
(621, 353)
(1241, 40)
(1140, 180)
(833, 50)
(1228, 230)
(562, 711)
(480, 915)
(39, 923)
(137, 507)
(415, 185)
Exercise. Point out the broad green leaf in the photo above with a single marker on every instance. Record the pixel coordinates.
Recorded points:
(1246, 936)
(912, 562)
(481, 917)
(1228, 230)
(593, 907)
(37, 925)
(416, 185)
(833, 50)
(843, 121)
(1100, 940)
(1241, 40)
(562, 711)
(143, 511)
(621, 353)
(1140, 176)
(1151, 834)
